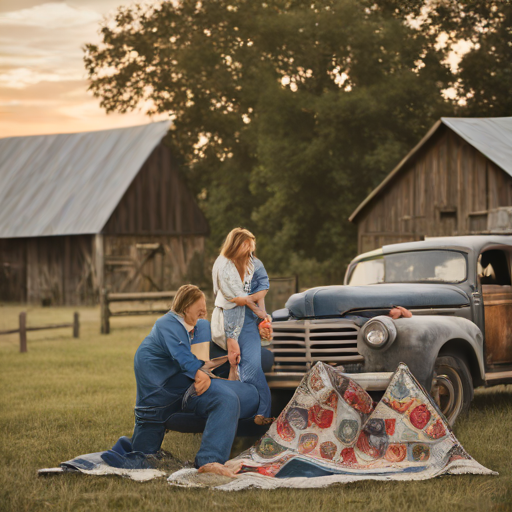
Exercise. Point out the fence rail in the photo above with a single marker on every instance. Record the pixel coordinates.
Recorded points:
(23, 329)
(107, 298)
(281, 288)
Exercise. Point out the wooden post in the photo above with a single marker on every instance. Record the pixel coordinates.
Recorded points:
(76, 325)
(105, 312)
(23, 331)
(99, 264)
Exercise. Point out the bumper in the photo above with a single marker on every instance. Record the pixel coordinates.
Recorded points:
(377, 381)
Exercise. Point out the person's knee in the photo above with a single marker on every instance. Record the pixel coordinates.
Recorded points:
(222, 396)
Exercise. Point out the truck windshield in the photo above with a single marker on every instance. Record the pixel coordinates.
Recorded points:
(411, 267)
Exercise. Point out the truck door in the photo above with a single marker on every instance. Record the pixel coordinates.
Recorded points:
(494, 275)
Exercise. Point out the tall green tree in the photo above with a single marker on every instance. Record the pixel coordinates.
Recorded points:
(286, 113)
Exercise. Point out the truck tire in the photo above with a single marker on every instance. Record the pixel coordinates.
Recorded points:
(452, 385)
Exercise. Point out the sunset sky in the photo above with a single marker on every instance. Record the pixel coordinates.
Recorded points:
(43, 87)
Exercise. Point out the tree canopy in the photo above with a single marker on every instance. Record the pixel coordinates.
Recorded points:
(287, 113)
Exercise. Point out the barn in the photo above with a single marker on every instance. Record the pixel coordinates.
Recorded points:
(85, 211)
(456, 181)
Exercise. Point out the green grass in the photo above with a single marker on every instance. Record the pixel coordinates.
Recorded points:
(66, 397)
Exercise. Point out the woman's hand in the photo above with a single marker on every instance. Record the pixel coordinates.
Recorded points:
(233, 351)
(202, 382)
(399, 311)
(265, 327)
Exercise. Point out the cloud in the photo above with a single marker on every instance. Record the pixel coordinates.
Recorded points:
(19, 78)
(43, 86)
(51, 16)
(43, 43)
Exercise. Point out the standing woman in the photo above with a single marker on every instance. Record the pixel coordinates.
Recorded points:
(237, 315)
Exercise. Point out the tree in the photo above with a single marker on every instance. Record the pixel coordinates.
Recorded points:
(287, 113)
(484, 79)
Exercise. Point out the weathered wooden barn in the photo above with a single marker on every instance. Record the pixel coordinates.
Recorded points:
(83, 211)
(456, 181)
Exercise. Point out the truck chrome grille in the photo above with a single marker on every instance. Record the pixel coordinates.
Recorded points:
(299, 344)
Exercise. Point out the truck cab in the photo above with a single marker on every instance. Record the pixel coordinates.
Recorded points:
(460, 336)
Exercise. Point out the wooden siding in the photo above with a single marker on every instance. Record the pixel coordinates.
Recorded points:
(13, 270)
(152, 263)
(446, 189)
(65, 270)
(53, 270)
(157, 202)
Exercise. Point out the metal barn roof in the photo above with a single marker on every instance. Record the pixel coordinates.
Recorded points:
(492, 136)
(69, 184)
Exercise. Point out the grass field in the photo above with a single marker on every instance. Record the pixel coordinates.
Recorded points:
(66, 397)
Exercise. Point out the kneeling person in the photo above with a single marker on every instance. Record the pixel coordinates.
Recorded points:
(165, 370)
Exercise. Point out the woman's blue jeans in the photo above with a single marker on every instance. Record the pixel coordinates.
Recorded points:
(250, 368)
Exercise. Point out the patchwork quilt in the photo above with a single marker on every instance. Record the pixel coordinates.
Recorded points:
(331, 432)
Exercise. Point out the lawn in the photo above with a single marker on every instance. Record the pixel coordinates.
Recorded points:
(66, 397)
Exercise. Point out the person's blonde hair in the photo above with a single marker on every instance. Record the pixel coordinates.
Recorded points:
(185, 297)
(234, 241)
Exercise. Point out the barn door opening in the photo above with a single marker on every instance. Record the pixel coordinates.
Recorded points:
(139, 270)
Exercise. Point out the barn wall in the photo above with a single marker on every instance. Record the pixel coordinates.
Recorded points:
(64, 270)
(13, 272)
(152, 263)
(446, 189)
(56, 270)
(157, 202)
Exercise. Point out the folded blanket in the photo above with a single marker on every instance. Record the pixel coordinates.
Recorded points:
(120, 460)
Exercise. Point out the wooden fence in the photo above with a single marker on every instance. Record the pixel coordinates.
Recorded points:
(108, 298)
(280, 289)
(22, 329)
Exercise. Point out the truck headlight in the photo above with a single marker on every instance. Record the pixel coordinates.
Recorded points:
(379, 331)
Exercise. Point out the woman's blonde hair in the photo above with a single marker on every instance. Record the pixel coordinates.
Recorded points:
(234, 241)
(185, 297)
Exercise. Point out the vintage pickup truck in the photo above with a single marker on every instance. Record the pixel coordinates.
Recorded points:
(459, 337)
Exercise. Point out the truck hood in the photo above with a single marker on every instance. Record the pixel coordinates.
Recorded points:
(328, 301)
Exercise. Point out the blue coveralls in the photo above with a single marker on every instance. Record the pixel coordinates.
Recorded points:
(165, 368)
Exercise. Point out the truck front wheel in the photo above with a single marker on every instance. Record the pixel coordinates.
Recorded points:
(452, 386)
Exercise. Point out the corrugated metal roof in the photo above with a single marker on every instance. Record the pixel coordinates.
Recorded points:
(69, 184)
(492, 136)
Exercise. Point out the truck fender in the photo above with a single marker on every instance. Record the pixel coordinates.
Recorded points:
(418, 342)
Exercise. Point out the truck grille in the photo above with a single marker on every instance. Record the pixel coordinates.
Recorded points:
(299, 344)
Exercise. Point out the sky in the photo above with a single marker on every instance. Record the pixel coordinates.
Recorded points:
(43, 86)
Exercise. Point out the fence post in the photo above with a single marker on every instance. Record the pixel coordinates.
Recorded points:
(76, 325)
(23, 331)
(105, 312)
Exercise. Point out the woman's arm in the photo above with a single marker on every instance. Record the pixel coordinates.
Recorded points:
(253, 306)
(257, 310)
(257, 298)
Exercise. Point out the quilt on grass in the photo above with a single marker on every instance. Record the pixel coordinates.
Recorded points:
(332, 432)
